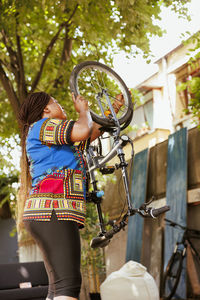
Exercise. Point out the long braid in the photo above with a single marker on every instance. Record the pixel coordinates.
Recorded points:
(30, 112)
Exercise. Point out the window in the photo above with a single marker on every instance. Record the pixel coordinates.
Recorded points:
(182, 76)
(182, 113)
(143, 116)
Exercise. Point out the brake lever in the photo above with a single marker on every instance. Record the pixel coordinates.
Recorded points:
(144, 205)
(147, 212)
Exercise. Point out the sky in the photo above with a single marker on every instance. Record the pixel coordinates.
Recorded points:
(134, 71)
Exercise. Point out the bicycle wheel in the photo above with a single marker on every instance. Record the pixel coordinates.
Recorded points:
(94, 80)
(172, 275)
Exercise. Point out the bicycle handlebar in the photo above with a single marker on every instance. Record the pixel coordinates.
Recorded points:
(195, 233)
(158, 211)
(104, 240)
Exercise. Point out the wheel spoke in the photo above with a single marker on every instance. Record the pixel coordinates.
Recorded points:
(102, 75)
(117, 99)
(95, 79)
(90, 79)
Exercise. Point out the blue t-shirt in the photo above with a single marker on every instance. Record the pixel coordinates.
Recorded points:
(49, 148)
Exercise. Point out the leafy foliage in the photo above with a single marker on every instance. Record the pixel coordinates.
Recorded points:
(8, 176)
(92, 260)
(41, 41)
(137, 97)
(7, 195)
(192, 84)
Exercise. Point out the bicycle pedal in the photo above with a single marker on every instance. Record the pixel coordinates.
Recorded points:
(107, 170)
(100, 241)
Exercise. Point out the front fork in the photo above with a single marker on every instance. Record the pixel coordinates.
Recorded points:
(96, 195)
(123, 165)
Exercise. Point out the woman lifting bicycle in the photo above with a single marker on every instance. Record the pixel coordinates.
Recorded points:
(55, 207)
(52, 153)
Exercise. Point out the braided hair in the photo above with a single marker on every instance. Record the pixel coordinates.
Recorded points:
(31, 111)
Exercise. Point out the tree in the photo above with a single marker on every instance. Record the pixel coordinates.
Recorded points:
(41, 41)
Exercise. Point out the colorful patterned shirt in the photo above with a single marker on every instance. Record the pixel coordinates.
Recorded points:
(58, 174)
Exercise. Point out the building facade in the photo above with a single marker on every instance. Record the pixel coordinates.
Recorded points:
(164, 110)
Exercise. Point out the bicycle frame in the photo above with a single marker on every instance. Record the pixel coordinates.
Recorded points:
(99, 162)
(193, 247)
(180, 249)
(96, 162)
(188, 234)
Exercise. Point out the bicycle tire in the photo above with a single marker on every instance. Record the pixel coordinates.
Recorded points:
(172, 275)
(85, 87)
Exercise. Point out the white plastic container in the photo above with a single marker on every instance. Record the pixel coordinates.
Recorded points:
(131, 282)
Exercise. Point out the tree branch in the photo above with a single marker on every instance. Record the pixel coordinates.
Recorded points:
(14, 101)
(67, 47)
(12, 54)
(47, 52)
(49, 48)
(73, 13)
(22, 83)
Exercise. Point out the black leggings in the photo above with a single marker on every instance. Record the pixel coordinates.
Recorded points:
(59, 242)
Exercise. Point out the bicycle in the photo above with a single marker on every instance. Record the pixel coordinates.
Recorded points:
(99, 84)
(174, 267)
